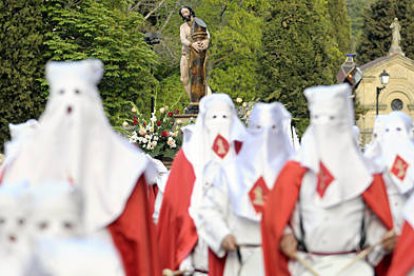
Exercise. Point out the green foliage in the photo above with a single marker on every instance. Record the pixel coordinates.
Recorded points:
(21, 63)
(300, 51)
(259, 49)
(341, 24)
(108, 31)
(236, 28)
(356, 11)
(377, 35)
(171, 94)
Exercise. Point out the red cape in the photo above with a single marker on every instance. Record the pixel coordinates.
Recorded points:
(134, 235)
(215, 264)
(177, 233)
(403, 260)
(281, 203)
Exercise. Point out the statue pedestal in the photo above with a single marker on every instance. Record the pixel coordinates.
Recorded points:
(191, 109)
(185, 118)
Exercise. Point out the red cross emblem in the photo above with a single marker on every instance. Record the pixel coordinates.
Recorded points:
(325, 178)
(399, 168)
(220, 146)
(258, 195)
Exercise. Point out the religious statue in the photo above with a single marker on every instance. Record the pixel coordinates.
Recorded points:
(396, 38)
(195, 40)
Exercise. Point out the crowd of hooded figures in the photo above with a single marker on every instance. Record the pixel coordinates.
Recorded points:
(76, 199)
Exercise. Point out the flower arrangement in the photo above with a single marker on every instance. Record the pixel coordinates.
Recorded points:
(244, 108)
(159, 135)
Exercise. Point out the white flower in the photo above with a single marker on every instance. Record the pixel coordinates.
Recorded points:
(125, 124)
(151, 145)
(156, 138)
(244, 104)
(144, 140)
(239, 100)
(162, 110)
(178, 122)
(147, 137)
(142, 131)
(134, 137)
(171, 142)
(153, 118)
(133, 109)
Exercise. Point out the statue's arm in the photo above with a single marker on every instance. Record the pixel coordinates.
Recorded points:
(183, 37)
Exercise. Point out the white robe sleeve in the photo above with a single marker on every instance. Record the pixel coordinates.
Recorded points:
(213, 213)
(375, 232)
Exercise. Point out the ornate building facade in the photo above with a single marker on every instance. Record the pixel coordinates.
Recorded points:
(398, 94)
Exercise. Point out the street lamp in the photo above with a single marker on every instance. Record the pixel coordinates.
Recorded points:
(384, 78)
(349, 72)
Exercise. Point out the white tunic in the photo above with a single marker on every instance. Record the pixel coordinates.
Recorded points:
(217, 221)
(397, 202)
(333, 230)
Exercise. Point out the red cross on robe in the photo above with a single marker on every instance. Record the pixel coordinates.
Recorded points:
(399, 168)
(258, 194)
(221, 146)
(325, 178)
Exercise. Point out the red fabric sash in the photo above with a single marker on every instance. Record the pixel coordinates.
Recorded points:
(134, 235)
(403, 260)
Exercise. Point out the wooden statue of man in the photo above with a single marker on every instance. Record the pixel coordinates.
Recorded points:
(195, 40)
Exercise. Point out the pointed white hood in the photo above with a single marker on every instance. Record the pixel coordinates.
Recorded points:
(328, 147)
(211, 139)
(265, 150)
(393, 150)
(75, 142)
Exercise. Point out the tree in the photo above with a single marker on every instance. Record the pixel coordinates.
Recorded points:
(356, 10)
(236, 28)
(107, 30)
(22, 63)
(341, 24)
(377, 35)
(299, 52)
